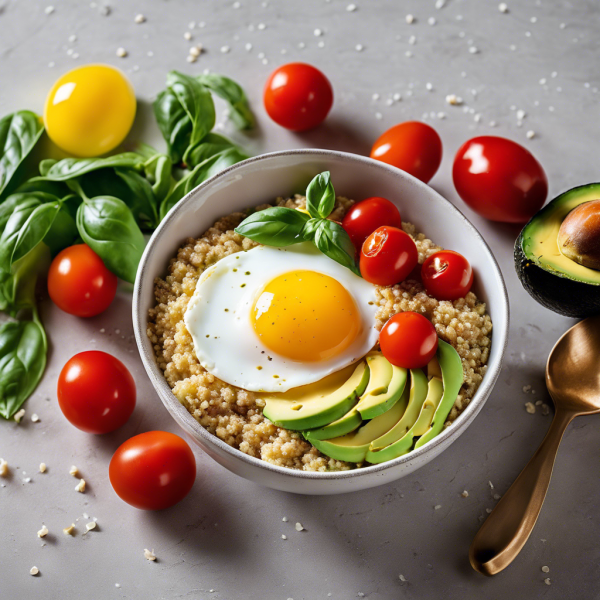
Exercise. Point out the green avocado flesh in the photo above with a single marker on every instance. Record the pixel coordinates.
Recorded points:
(316, 405)
(554, 280)
(371, 411)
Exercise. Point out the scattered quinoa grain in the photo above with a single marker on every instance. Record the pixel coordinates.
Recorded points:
(35, 418)
(74, 471)
(70, 530)
(530, 134)
(3, 468)
(91, 525)
(545, 569)
(284, 537)
(402, 578)
(19, 415)
(299, 527)
(503, 7)
(530, 407)
(409, 19)
(43, 532)
(547, 581)
(121, 52)
(465, 494)
(43, 467)
(149, 554)
(80, 487)
(34, 571)
(140, 19)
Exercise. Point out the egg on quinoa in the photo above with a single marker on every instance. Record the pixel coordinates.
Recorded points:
(233, 407)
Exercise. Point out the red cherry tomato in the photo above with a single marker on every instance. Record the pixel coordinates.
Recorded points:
(413, 147)
(447, 275)
(298, 96)
(408, 340)
(79, 283)
(388, 256)
(366, 216)
(153, 470)
(499, 179)
(96, 392)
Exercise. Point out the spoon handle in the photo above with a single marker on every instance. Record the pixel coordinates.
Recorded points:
(509, 525)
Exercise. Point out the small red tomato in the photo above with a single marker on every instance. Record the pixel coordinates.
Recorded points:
(153, 470)
(388, 256)
(499, 179)
(79, 283)
(298, 96)
(413, 147)
(96, 392)
(408, 340)
(366, 216)
(447, 275)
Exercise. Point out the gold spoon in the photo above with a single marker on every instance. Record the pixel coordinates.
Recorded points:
(573, 380)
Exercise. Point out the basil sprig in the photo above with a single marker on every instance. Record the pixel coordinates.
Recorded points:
(279, 226)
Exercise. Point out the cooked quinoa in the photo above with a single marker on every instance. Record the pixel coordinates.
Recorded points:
(235, 415)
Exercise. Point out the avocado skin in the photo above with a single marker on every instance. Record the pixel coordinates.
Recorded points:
(563, 296)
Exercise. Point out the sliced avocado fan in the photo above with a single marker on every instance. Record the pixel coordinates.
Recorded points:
(453, 377)
(320, 405)
(353, 447)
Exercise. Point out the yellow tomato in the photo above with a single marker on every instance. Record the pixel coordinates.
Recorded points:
(90, 110)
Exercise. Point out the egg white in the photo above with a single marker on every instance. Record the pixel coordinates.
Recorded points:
(218, 318)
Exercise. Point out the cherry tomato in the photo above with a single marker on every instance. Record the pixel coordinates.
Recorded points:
(79, 283)
(153, 470)
(96, 392)
(413, 147)
(447, 275)
(298, 96)
(499, 179)
(408, 340)
(388, 256)
(366, 216)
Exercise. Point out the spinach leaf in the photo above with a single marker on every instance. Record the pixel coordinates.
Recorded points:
(333, 241)
(320, 196)
(277, 226)
(158, 171)
(69, 168)
(23, 349)
(19, 133)
(197, 102)
(206, 169)
(234, 95)
(174, 124)
(107, 226)
(211, 144)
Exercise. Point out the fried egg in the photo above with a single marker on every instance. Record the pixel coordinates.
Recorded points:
(272, 319)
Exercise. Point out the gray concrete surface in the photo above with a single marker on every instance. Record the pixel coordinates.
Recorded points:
(224, 541)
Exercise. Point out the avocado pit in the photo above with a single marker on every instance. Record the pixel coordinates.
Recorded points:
(579, 235)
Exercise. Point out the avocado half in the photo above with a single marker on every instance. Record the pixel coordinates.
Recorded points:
(555, 281)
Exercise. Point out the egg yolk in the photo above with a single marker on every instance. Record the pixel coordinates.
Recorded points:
(305, 316)
(90, 110)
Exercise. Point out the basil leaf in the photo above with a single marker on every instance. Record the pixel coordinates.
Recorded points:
(173, 122)
(277, 226)
(35, 229)
(140, 198)
(206, 169)
(158, 170)
(108, 227)
(69, 168)
(320, 196)
(145, 150)
(63, 231)
(310, 229)
(46, 165)
(23, 349)
(19, 133)
(11, 204)
(197, 102)
(333, 241)
(39, 184)
(211, 144)
(234, 95)
(14, 225)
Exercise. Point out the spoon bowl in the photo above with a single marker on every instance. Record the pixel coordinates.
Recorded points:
(573, 380)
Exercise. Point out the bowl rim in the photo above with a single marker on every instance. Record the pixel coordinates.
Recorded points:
(194, 428)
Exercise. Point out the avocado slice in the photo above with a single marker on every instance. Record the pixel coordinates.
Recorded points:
(452, 377)
(372, 405)
(422, 424)
(319, 403)
(353, 447)
(376, 399)
(555, 281)
(417, 396)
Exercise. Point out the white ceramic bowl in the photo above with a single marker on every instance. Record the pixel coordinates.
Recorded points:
(261, 179)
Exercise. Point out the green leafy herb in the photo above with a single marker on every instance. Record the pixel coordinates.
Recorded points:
(277, 226)
(211, 144)
(70, 168)
(333, 241)
(107, 226)
(234, 95)
(140, 198)
(320, 196)
(206, 169)
(19, 133)
(23, 349)
(158, 169)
